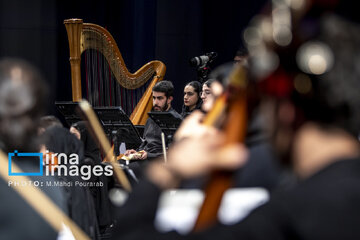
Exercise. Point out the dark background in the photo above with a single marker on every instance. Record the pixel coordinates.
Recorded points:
(172, 31)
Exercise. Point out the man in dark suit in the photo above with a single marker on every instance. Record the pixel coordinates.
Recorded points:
(163, 94)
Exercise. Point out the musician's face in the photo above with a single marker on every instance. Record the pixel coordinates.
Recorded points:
(207, 98)
(190, 97)
(209, 95)
(161, 103)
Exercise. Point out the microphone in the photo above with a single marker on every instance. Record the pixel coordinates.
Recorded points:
(203, 60)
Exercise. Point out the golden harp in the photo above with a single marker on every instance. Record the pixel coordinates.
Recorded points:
(111, 84)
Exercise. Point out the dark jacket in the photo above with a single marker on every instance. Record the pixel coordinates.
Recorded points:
(152, 136)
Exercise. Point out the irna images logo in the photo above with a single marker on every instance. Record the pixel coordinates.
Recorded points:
(61, 164)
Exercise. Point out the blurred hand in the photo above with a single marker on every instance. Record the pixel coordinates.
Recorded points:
(196, 156)
(201, 154)
(143, 155)
(130, 151)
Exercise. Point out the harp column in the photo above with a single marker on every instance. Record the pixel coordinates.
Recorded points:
(74, 29)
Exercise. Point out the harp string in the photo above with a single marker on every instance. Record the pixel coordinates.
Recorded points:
(102, 88)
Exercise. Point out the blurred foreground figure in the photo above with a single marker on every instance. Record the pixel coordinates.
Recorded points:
(22, 98)
(307, 82)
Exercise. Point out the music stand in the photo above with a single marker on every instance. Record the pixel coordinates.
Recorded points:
(168, 122)
(68, 111)
(118, 126)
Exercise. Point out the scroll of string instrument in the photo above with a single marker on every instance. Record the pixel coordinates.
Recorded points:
(230, 115)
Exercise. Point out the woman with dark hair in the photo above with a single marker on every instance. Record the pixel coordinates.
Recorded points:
(192, 99)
